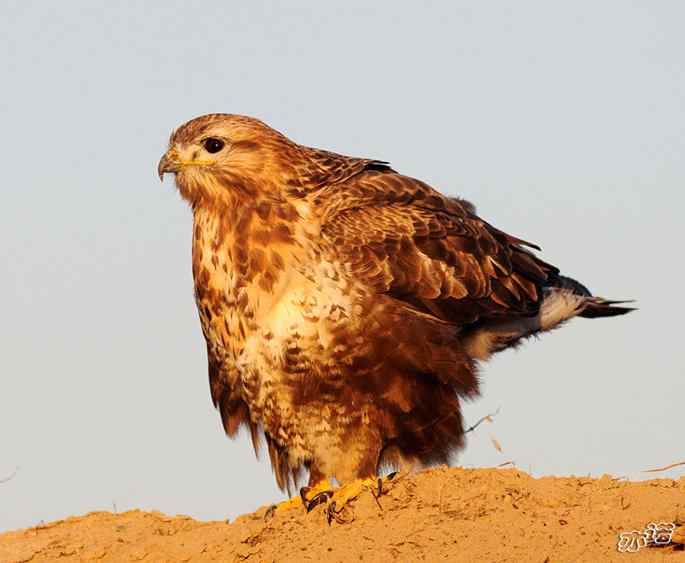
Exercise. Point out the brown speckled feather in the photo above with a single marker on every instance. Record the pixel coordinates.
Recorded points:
(407, 240)
(345, 306)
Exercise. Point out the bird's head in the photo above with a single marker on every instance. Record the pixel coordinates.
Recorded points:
(224, 157)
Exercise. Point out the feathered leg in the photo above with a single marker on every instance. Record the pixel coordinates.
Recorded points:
(355, 470)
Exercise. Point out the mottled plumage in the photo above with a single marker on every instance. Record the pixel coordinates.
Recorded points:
(346, 306)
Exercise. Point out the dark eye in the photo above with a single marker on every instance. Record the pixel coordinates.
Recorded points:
(213, 145)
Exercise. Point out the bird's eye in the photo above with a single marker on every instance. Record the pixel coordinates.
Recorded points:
(213, 145)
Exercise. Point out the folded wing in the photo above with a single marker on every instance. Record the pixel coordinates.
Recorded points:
(432, 252)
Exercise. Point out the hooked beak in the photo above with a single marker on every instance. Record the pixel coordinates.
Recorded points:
(171, 162)
(168, 163)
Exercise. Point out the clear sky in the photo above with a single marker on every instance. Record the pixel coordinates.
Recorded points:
(563, 122)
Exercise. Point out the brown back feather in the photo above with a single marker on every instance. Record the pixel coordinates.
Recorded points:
(432, 252)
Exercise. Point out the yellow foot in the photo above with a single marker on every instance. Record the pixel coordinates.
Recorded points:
(303, 499)
(337, 500)
(313, 496)
(337, 508)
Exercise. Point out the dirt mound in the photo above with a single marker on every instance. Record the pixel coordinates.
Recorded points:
(440, 514)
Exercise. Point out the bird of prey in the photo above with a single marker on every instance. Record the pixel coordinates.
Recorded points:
(346, 307)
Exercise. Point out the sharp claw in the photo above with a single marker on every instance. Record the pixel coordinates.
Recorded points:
(269, 514)
(380, 487)
(336, 515)
(330, 513)
(322, 497)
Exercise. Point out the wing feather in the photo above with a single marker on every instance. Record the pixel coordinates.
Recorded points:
(405, 239)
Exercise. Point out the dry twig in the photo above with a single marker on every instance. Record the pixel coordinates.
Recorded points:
(664, 468)
(511, 462)
(487, 417)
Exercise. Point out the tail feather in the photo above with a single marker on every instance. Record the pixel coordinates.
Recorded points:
(597, 307)
(593, 307)
(563, 299)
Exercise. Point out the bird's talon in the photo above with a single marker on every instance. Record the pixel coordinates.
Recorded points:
(330, 513)
(303, 494)
(269, 514)
(317, 499)
(338, 515)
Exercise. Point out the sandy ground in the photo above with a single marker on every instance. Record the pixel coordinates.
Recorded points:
(441, 514)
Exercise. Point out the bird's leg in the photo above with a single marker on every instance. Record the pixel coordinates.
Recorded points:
(337, 499)
(313, 496)
(341, 497)
(356, 470)
(316, 492)
(403, 464)
(357, 473)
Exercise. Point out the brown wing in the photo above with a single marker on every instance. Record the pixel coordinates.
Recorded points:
(405, 239)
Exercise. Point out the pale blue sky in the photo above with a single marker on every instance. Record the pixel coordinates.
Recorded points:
(563, 122)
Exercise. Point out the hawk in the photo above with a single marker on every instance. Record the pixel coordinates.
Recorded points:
(346, 307)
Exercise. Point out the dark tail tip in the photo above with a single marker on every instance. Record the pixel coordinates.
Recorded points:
(594, 307)
(598, 307)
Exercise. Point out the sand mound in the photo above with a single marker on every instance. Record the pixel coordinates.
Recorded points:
(441, 514)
